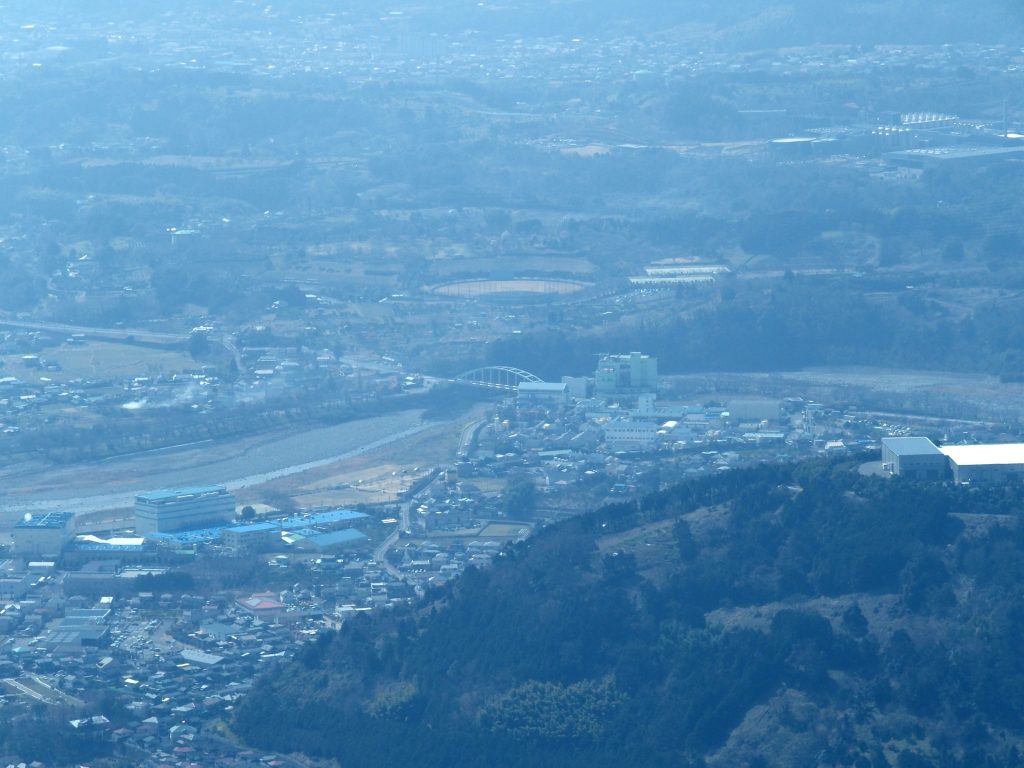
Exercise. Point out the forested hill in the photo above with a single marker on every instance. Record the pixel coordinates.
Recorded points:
(800, 323)
(783, 615)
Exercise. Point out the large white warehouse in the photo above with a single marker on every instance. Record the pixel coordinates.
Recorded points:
(985, 463)
(919, 458)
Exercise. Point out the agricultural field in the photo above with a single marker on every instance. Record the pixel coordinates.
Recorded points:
(503, 530)
(96, 360)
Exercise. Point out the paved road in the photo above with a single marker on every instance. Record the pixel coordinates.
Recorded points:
(30, 692)
(469, 433)
(123, 334)
(380, 553)
(43, 691)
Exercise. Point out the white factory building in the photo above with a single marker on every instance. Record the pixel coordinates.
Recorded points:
(543, 393)
(985, 463)
(920, 459)
(183, 508)
(626, 435)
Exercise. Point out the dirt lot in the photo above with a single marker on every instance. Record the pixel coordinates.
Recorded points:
(99, 360)
(378, 476)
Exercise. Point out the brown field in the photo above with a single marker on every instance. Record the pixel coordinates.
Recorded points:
(503, 530)
(538, 264)
(474, 288)
(378, 476)
(100, 359)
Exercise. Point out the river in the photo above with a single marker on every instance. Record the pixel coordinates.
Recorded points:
(239, 463)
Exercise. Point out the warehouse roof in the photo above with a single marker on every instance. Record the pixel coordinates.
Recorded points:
(174, 493)
(974, 455)
(329, 517)
(253, 528)
(197, 536)
(335, 538)
(49, 520)
(201, 657)
(543, 386)
(910, 446)
(91, 543)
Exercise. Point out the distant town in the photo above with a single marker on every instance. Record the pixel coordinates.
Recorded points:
(307, 310)
(181, 600)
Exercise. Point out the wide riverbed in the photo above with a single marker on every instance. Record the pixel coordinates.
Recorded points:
(239, 463)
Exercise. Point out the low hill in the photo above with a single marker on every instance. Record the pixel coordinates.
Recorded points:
(782, 615)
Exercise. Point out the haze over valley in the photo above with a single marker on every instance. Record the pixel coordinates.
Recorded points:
(529, 383)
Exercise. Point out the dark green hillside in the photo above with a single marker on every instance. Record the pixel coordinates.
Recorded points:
(774, 616)
(797, 324)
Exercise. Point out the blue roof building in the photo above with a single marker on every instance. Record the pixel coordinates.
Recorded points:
(333, 540)
(334, 518)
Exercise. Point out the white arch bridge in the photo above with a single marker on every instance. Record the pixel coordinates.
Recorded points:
(496, 377)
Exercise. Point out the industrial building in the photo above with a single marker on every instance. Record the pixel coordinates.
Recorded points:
(315, 541)
(542, 393)
(579, 386)
(985, 463)
(330, 520)
(79, 630)
(40, 536)
(916, 458)
(624, 435)
(626, 374)
(124, 549)
(182, 509)
(919, 458)
(263, 535)
(755, 410)
(254, 537)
